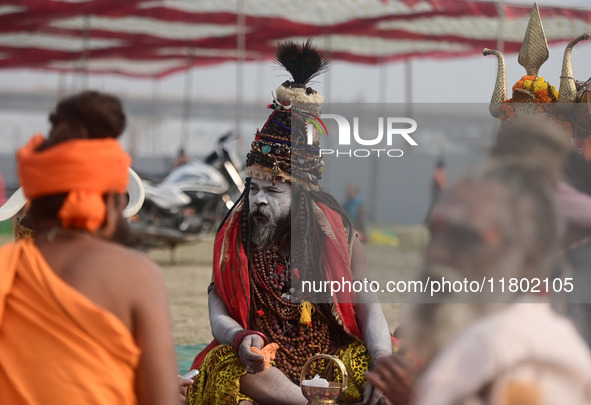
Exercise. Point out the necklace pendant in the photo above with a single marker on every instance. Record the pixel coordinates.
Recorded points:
(287, 326)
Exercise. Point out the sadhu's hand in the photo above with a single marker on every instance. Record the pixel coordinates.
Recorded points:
(184, 388)
(373, 396)
(253, 362)
(268, 352)
(394, 376)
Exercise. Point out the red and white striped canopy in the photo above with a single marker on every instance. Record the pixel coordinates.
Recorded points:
(153, 38)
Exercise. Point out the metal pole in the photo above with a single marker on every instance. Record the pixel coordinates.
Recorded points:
(85, 51)
(62, 85)
(500, 37)
(240, 49)
(155, 110)
(408, 87)
(328, 75)
(260, 83)
(375, 163)
(408, 94)
(383, 84)
(187, 101)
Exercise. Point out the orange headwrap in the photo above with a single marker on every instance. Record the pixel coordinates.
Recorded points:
(84, 168)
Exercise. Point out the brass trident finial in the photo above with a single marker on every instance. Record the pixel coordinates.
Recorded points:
(534, 49)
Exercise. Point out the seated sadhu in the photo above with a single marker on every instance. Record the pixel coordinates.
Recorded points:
(285, 229)
(83, 320)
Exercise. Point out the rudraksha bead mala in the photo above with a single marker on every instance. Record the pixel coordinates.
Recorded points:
(279, 318)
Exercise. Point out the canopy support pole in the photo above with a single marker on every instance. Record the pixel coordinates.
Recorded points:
(375, 162)
(240, 50)
(500, 37)
(328, 74)
(187, 97)
(260, 86)
(155, 112)
(85, 51)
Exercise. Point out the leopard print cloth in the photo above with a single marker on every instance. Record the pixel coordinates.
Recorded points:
(218, 382)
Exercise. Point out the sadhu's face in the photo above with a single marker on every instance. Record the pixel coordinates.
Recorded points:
(466, 229)
(269, 210)
(269, 203)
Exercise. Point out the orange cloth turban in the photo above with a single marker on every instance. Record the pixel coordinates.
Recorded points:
(84, 168)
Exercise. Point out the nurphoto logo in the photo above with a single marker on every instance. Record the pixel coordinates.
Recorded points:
(393, 127)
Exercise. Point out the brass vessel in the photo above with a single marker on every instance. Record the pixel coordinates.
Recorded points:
(324, 395)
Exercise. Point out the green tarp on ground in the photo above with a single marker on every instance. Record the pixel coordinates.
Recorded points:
(186, 354)
(5, 228)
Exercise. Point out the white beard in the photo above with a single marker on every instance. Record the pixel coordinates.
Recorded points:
(262, 235)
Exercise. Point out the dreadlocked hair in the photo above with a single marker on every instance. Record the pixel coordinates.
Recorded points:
(307, 241)
(244, 217)
(85, 115)
(528, 159)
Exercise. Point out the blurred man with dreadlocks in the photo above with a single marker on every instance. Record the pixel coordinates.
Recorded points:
(83, 319)
(500, 221)
(284, 230)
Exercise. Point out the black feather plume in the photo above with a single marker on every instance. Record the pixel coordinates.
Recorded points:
(302, 61)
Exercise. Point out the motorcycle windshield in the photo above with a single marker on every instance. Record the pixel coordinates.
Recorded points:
(196, 175)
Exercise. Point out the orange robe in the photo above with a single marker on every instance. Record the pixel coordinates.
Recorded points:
(56, 346)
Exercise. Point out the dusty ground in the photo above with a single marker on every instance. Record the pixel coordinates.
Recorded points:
(188, 278)
(187, 282)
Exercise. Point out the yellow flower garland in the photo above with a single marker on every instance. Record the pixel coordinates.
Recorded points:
(544, 92)
(541, 89)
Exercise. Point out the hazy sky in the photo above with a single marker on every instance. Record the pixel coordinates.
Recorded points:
(460, 80)
(433, 80)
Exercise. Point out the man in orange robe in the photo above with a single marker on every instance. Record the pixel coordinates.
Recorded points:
(83, 320)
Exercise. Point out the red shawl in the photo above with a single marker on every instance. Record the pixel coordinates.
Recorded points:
(231, 278)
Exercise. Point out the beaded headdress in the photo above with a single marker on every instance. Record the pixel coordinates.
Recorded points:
(280, 150)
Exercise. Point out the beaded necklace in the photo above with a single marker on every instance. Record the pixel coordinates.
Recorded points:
(279, 318)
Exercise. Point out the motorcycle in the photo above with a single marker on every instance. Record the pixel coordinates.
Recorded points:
(190, 201)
